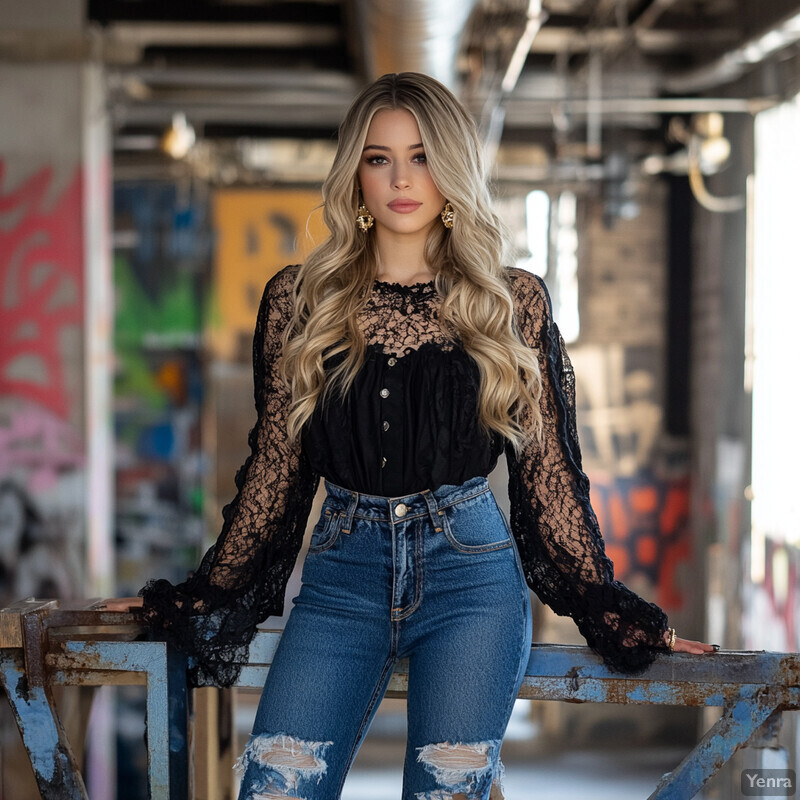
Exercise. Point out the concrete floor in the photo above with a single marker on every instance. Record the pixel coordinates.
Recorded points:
(533, 770)
(600, 775)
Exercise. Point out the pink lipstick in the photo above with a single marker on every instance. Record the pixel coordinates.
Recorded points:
(403, 205)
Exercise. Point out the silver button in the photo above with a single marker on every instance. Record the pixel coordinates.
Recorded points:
(385, 425)
(401, 509)
(383, 462)
(392, 361)
(384, 393)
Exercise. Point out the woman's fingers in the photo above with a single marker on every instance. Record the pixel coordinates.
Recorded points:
(690, 646)
(122, 604)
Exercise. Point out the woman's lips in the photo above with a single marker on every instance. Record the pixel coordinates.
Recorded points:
(404, 206)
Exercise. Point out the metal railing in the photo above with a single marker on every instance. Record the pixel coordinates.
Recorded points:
(46, 643)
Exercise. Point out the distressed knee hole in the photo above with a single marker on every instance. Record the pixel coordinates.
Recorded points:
(464, 771)
(280, 762)
(455, 756)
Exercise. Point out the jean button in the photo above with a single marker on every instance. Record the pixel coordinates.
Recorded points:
(401, 509)
(384, 393)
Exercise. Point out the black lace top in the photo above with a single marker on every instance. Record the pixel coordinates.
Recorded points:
(410, 420)
(425, 387)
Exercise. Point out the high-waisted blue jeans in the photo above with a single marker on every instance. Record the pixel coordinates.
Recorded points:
(433, 577)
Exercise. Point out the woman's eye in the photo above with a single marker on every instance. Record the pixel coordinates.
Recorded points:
(377, 160)
(420, 158)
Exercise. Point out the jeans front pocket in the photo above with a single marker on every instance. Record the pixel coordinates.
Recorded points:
(326, 531)
(476, 525)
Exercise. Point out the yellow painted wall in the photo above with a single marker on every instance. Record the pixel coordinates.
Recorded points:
(258, 232)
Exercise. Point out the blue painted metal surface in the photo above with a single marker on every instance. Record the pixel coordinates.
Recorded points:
(736, 725)
(88, 647)
(53, 764)
(93, 663)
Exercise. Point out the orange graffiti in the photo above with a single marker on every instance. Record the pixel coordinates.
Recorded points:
(645, 525)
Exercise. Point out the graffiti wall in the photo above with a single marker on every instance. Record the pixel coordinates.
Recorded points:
(772, 598)
(639, 475)
(258, 232)
(42, 441)
(640, 483)
(161, 285)
(42, 452)
(161, 278)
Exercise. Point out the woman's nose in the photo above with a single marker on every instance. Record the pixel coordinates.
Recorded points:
(400, 179)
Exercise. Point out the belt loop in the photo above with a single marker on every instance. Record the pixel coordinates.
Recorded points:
(434, 511)
(351, 510)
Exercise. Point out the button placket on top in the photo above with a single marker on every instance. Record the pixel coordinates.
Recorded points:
(392, 394)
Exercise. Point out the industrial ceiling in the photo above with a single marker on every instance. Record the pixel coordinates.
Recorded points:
(565, 77)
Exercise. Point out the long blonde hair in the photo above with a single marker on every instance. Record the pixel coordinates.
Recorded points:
(335, 281)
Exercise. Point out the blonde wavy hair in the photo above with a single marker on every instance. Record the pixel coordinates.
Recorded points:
(335, 282)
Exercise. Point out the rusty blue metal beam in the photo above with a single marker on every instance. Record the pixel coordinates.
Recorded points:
(51, 757)
(92, 663)
(42, 646)
(732, 730)
(29, 693)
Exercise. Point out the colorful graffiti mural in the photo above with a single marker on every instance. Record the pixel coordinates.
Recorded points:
(41, 259)
(645, 524)
(640, 482)
(42, 450)
(161, 276)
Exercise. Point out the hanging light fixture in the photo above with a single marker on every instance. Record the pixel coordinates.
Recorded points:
(179, 138)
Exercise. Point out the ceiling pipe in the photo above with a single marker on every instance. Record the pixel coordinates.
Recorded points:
(412, 36)
(735, 63)
(649, 17)
(494, 111)
(212, 34)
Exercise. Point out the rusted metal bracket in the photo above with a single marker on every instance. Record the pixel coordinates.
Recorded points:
(30, 696)
(733, 729)
(43, 645)
(57, 774)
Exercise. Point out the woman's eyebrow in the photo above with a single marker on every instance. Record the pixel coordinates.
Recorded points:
(388, 149)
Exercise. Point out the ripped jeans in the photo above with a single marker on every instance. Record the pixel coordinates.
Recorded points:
(434, 577)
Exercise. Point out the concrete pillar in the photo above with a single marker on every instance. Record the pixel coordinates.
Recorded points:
(721, 415)
(721, 403)
(56, 307)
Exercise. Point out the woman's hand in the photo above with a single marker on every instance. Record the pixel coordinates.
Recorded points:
(690, 646)
(122, 604)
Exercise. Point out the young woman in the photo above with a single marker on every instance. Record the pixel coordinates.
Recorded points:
(398, 363)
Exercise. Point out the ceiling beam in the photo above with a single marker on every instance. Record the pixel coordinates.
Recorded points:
(552, 39)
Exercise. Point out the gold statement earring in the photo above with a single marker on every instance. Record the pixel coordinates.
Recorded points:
(447, 215)
(364, 220)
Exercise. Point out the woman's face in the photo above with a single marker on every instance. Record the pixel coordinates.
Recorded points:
(395, 183)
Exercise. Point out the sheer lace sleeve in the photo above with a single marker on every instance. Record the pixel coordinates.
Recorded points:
(241, 580)
(555, 528)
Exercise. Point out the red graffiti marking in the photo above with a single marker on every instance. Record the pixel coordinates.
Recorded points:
(41, 291)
